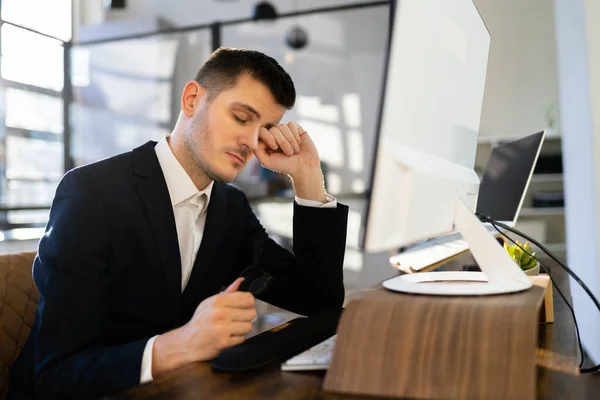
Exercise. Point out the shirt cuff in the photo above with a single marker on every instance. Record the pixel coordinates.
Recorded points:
(146, 373)
(331, 202)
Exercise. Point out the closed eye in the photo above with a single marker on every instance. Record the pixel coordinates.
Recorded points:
(239, 120)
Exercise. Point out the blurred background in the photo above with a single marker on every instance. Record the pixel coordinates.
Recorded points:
(82, 80)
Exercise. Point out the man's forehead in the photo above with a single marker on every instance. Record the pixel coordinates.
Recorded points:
(256, 97)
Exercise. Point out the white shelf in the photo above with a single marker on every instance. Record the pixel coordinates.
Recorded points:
(546, 178)
(541, 211)
(556, 247)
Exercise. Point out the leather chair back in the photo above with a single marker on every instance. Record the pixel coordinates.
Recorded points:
(18, 303)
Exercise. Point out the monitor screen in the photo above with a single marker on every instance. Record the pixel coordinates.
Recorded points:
(507, 176)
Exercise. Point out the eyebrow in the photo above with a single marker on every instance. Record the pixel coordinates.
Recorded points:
(253, 111)
(248, 108)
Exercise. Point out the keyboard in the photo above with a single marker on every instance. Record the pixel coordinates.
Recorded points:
(316, 358)
(427, 253)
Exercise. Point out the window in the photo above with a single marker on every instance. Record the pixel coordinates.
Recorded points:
(121, 105)
(52, 17)
(31, 111)
(33, 159)
(31, 58)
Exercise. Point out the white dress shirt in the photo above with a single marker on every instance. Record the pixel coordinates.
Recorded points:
(189, 208)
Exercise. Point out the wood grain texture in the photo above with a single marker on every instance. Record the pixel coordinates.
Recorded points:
(199, 381)
(435, 347)
(547, 312)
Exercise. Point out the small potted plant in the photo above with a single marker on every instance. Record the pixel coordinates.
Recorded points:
(528, 264)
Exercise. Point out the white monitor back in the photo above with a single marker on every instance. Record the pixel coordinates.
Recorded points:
(429, 122)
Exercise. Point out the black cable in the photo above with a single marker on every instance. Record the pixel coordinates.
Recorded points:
(574, 320)
(582, 370)
(555, 286)
(566, 268)
(485, 218)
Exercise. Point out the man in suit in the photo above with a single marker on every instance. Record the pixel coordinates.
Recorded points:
(139, 247)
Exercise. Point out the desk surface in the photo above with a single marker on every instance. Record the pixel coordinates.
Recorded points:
(198, 379)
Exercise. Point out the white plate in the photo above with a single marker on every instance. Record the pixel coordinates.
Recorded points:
(447, 284)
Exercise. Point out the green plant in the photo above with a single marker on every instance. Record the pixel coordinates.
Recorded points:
(522, 259)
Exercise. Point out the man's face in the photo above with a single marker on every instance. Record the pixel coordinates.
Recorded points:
(223, 134)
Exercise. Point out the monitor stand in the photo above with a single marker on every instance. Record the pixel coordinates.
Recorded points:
(500, 274)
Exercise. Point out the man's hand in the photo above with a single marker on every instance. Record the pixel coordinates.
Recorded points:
(219, 322)
(288, 149)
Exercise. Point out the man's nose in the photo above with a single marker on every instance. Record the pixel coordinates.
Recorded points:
(250, 139)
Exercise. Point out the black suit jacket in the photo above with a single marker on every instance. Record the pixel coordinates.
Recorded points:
(109, 272)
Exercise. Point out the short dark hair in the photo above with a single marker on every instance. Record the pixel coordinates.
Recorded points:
(223, 68)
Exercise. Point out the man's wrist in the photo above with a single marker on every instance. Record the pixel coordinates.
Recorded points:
(167, 353)
(309, 184)
(331, 202)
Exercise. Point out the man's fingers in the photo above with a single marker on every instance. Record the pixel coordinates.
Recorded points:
(239, 328)
(235, 300)
(241, 314)
(266, 136)
(235, 340)
(262, 154)
(289, 136)
(234, 286)
(295, 128)
(227, 315)
(285, 137)
(282, 142)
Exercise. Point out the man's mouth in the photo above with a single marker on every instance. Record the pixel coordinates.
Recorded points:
(238, 157)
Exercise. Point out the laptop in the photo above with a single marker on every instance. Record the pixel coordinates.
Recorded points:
(506, 178)
(501, 194)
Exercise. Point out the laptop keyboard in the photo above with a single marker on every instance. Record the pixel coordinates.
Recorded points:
(433, 251)
(316, 358)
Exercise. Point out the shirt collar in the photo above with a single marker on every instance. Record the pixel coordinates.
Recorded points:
(180, 185)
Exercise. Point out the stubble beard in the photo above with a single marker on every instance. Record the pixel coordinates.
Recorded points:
(199, 128)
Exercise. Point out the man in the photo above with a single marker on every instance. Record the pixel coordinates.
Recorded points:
(139, 247)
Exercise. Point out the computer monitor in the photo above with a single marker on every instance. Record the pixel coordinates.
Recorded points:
(423, 183)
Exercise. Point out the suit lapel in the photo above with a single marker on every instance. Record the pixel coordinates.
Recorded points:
(154, 194)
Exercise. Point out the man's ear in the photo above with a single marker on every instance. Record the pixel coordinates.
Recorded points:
(192, 94)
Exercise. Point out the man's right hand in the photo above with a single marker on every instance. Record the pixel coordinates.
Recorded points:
(219, 322)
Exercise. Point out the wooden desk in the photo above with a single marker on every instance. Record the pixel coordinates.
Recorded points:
(199, 381)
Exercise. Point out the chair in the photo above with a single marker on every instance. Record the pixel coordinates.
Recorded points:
(18, 303)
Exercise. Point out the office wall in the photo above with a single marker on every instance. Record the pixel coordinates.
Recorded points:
(521, 89)
(121, 105)
(578, 48)
(193, 12)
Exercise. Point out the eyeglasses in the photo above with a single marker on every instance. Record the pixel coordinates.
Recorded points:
(256, 280)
